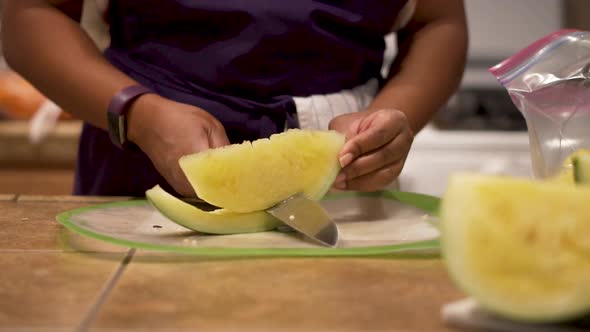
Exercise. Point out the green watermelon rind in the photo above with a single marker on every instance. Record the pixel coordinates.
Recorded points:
(212, 222)
(581, 165)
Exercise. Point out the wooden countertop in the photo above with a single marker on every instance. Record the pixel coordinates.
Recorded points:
(58, 149)
(49, 283)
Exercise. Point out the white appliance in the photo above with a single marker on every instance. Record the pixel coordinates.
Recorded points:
(498, 29)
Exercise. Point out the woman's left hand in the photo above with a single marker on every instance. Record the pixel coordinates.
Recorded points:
(377, 144)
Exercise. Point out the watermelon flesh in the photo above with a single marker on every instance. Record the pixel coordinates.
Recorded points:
(254, 176)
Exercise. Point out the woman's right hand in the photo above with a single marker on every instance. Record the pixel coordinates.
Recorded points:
(166, 130)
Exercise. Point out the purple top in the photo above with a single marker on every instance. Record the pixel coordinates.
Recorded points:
(242, 61)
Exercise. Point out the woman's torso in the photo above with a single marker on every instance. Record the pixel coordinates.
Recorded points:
(243, 61)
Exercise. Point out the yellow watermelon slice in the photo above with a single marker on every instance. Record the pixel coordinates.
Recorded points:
(254, 176)
(520, 247)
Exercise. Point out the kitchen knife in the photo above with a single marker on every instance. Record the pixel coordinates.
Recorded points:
(307, 217)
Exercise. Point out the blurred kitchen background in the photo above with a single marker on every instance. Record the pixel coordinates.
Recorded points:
(479, 130)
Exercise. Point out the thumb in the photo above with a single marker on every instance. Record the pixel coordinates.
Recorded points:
(218, 138)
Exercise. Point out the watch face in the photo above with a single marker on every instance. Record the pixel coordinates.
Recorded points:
(116, 126)
(122, 129)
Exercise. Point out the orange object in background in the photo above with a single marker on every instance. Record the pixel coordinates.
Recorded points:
(19, 100)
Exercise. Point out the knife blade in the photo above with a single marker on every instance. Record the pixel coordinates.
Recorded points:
(307, 217)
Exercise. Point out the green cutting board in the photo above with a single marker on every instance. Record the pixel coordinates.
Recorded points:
(378, 223)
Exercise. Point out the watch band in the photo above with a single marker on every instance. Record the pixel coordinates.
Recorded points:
(116, 113)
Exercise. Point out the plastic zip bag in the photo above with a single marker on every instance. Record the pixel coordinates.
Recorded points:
(549, 82)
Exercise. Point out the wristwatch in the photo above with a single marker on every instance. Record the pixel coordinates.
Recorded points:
(117, 113)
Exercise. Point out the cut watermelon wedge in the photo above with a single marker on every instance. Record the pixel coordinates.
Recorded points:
(520, 247)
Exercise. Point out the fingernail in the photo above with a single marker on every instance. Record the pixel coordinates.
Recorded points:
(346, 159)
(340, 178)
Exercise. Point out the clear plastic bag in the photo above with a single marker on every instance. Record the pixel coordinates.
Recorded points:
(549, 82)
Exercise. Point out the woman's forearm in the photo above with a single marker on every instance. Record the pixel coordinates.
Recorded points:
(50, 50)
(429, 66)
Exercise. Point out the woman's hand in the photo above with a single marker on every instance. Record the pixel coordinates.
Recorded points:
(166, 130)
(377, 144)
